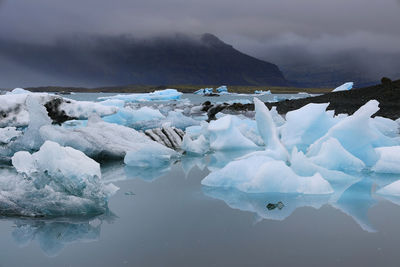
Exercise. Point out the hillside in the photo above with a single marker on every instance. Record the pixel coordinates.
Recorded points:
(105, 61)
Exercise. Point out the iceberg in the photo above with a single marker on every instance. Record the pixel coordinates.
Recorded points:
(55, 181)
(355, 134)
(222, 89)
(334, 157)
(102, 139)
(204, 91)
(261, 175)
(158, 95)
(306, 125)
(200, 146)
(224, 136)
(344, 87)
(14, 109)
(389, 160)
(268, 131)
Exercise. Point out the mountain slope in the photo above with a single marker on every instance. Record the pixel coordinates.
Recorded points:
(180, 59)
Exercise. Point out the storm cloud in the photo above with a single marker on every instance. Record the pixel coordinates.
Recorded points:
(286, 32)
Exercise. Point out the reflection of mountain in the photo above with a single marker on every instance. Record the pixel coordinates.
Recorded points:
(53, 235)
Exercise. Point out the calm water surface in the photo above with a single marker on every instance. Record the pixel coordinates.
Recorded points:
(165, 217)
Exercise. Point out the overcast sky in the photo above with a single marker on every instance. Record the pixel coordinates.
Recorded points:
(258, 27)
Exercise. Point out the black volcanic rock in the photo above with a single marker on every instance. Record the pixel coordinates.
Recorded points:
(180, 59)
(387, 94)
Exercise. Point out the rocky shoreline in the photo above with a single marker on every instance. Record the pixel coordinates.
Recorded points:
(387, 94)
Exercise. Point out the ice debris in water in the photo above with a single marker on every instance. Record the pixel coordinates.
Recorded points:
(339, 145)
(15, 111)
(159, 95)
(55, 181)
(344, 87)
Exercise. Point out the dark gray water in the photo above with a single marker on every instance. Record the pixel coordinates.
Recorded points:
(166, 218)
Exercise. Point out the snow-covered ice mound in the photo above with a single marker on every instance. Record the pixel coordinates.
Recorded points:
(55, 181)
(159, 95)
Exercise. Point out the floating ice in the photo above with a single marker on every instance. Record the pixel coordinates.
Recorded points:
(128, 116)
(14, 109)
(199, 146)
(392, 189)
(101, 139)
(258, 174)
(204, 91)
(160, 95)
(55, 181)
(334, 157)
(8, 134)
(268, 131)
(307, 124)
(151, 155)
(222, 89)
(261, 92)
(389, 160)
(344, 87)
(224, 136)
(355, 134)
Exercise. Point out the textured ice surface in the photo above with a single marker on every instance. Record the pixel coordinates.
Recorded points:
(8, 134)
(151, 155)
(259, 175)
(55, 181)
(161, 95)
(198, 146)
(222, 89)
(224, 136)
(204, 91)
(355, 134)
(101, 139)
(128, 116)
(344, 87)
(267, 129)
(307, 124)
(15, 109)
(389, 160)
(334, 157)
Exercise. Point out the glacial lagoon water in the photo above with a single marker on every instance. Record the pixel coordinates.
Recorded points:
(165, 217)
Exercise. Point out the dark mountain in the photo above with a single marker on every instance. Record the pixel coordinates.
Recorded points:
(101, 61)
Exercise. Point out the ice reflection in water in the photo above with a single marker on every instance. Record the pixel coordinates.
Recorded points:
(53, 235)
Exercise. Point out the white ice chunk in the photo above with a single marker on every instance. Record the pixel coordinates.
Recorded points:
(260, 174)
(8, 134)
(199, 146)
(224, 136)
(334, 157)
(389, 160)
(355, 134)
(101, 139)
(306, 124)
(61, 181)
(160, 95)
(392, 189)
(344, 87)
(268, 131)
